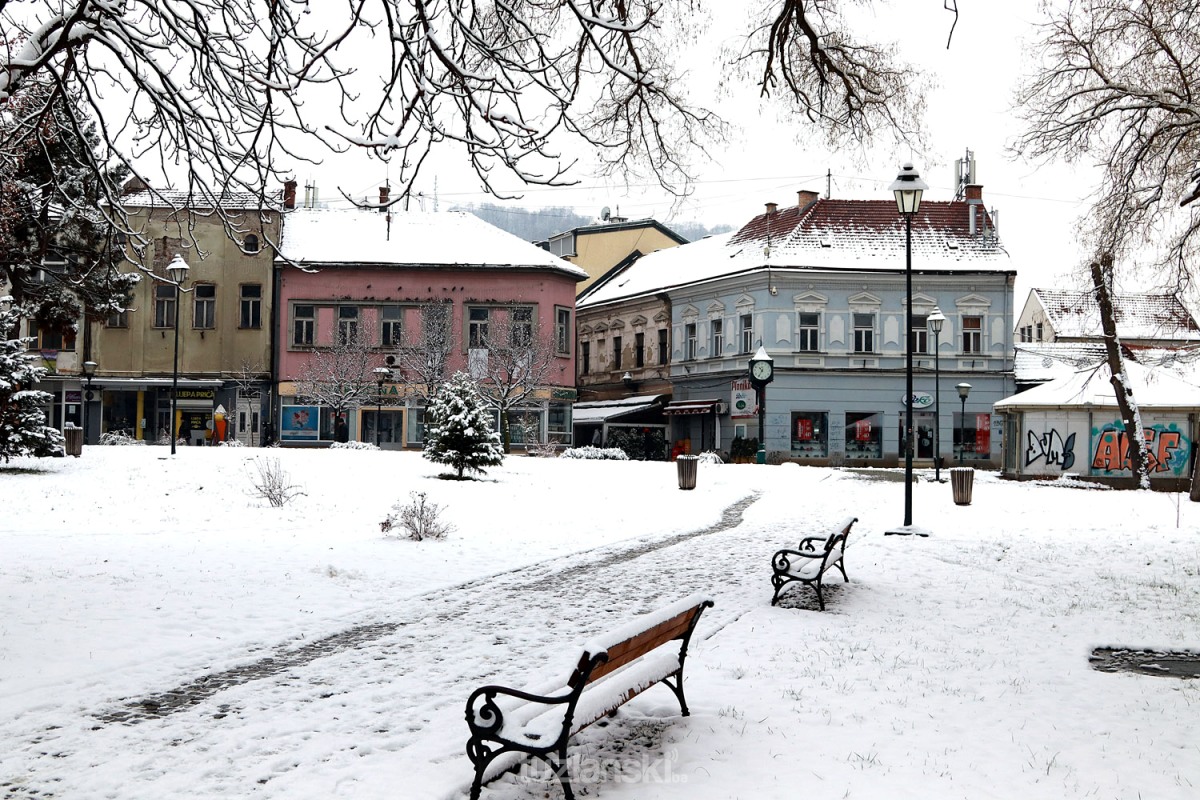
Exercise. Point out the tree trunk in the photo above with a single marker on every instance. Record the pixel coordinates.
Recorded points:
(1130, 415)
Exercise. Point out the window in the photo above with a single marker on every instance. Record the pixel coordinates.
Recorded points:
(435, 326)
(972, 341)
(204, 313)
(864, 435)
(662, 345)
(689, 336)
(563, 245)
(1039, 331)
(347, 324)
(718, 338)
(864, 333)
(562, 331)
(747, 321)
(477, 327)
(251, 306)
(616, 352)
(304, 321)
(809, 337)
(250, 243)
(639, 349)
(585, 356)
(50, 339)
(1026, 332)
(918, 337)
(520, 324)
(392, 332)
(117, 319)
(164, 305)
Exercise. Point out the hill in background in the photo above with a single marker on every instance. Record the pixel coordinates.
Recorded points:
(536, 225)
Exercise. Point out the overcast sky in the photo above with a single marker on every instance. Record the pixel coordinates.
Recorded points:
(764, 161)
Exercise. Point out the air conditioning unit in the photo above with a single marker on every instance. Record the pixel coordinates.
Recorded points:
(722, 408)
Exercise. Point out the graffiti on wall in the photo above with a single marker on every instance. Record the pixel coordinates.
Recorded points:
(1051, 447)
(1166, 446)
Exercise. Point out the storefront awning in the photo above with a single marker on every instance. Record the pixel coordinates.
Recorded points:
(595, 412)
(691, 407)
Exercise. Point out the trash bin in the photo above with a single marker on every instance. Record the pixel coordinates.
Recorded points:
(961, 481)
(687, 471)
(74, 437)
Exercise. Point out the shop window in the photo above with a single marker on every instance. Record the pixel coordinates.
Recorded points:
(864, 435)
(972, 437)
(558, 423)
(810, 434)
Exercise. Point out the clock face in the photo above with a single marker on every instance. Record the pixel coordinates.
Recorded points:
(761, 370)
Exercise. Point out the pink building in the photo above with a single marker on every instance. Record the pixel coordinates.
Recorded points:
(390, 280)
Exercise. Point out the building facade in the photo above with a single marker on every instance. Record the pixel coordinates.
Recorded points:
(389, 279)
(821, 286)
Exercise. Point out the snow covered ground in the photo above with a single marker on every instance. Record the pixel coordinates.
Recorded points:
(165, 635)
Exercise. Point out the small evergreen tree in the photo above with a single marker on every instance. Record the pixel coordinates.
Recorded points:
(23, 430)
(458, 428)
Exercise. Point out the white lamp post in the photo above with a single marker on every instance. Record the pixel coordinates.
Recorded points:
(178, 270)
(908, 188)
(936, 320)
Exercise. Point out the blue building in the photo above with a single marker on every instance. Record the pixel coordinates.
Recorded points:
(821, 286)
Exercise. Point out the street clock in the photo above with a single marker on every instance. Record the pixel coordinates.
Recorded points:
(762, 367)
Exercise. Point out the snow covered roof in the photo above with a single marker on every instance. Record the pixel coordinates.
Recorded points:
(1152, 388)
(1139, 316)
(1044, 361)
(330, 237)
(172, 199)
(623, 225)
(822, 235)
(600, 410)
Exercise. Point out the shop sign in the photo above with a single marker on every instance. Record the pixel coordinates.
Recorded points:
(920, 400)
(743, 401)
(196, 394)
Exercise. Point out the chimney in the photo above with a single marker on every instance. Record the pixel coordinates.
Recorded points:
(384, 191)
(771, 207)
(974, 191)
(289, 194)
(805, 198)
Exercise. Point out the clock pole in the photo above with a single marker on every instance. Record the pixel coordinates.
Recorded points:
(762, 372)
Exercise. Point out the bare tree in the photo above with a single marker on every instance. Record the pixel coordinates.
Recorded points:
(1119, 85)
(340, 376)
(422, 357)
(511, 362)
(1131, 416)
(228, 96)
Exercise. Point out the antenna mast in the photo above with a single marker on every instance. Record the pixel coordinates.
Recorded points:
(964, 174)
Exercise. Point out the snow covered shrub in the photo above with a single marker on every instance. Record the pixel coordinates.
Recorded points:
(710, 457)
(274, 484)
(119, 439)
(420, 519)
(353, 446)
(600, 453)
(458, 428)
(231, 443)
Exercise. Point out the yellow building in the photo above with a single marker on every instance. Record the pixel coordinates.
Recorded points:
(601, 248)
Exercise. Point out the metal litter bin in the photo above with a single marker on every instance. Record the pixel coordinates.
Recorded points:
(74, 437)
(687, 471)
(962, 480)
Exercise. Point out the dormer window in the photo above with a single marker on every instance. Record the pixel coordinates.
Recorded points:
(250, 243)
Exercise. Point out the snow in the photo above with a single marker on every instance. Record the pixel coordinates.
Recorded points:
(1091, 386)
(315, 656)
(316, 236)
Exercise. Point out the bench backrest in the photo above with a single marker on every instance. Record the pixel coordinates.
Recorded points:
(595, 665)
(837, 537)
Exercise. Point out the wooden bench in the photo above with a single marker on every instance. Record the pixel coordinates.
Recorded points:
(809, 562)
(611, 670)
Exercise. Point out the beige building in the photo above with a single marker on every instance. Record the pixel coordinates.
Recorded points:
(610, 245)
(224, 329)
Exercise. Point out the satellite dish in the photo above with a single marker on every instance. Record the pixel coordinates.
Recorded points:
(605, 213)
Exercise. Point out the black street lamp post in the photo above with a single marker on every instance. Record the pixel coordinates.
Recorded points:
(89, 372)
(936, 320)
(907, 188)
(178, 270)
(381, 376)
(964, 389)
